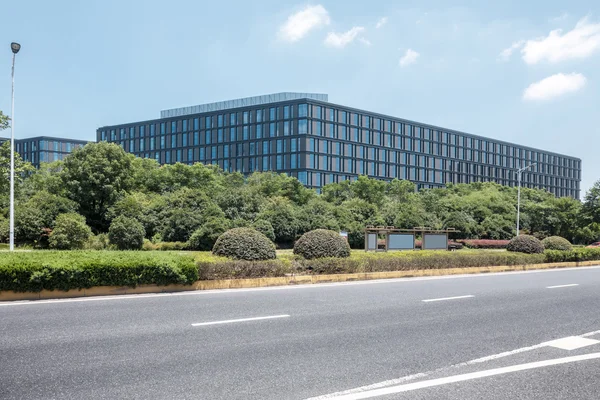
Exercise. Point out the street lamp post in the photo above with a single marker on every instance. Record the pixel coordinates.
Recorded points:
(519, 173)
(15, 47)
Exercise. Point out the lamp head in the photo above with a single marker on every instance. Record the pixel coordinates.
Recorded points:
(15, 47)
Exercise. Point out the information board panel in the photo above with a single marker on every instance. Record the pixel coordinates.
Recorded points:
(435, 241)
(372, 241)
(401, 241)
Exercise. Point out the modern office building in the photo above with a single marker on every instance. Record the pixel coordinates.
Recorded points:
(41, 149)
(305, 136)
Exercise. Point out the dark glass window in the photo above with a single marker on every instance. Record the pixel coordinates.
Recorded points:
(286, 112)
(185, 125)
(302, 126)
(173, 126)
(207, 138)
(303, 110)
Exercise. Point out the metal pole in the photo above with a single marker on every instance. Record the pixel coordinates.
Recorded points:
(518, 199)
(12, 160)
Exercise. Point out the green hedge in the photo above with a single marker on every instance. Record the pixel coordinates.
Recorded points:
(576, 254)
(65, 270)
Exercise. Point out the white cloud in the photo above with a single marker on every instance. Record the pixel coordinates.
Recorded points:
(554, 86)
(409, 57)
(381, 22)
(364, 41)
(342, 39)
(581, 42)
(560, 18)
(302, 22)
(506, 53)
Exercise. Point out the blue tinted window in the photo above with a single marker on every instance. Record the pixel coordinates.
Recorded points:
(331, 130)
(265, 163)
(252, 149)
(152, 130)
(162, 142)
(178, 155)
(163, 128)
(258, 115)
(185, 125)
(173, 126)
(184, 139)
(259, 131)
(232, 119)
(302, 126)
(343, 133)
(331, 114)
(196, 124)
(220, 120)
(279, 162)
(286, 112)
(286, 128)
(303, 110)
(232, 134)
(272, 130)
(220, 136)
(302, 177)
(318, 132)
(246, 117)
(265, 147)
(294, 161)
(196, 138)
(294, 145)
(272, 114)
(142, 145)
(246, 135)
(311, 160)
(226, 151)
(214, 152)
(207, 123)
(279, 146)
(152, 139)
(190, 154)
(168, 157)
(201, 154)
(142, 131)
(207, 137)
(131, 148)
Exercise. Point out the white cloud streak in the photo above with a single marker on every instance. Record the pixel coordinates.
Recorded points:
(382, 21)
(410, 57)
(507, 53)
(554, 86)
(364, 41)
(341, 40)
(579, 43)
(301, 23)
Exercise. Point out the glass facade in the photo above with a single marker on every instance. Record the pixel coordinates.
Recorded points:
(41, 149)
(319, 143)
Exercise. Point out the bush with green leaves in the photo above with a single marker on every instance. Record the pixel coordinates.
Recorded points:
(265, 228)
(52, 270)
(70, 232)
(244, 244)
(126, 233)
(573, 255)
(204, 238)
(557, 243)
(322, 243)
(525, 244)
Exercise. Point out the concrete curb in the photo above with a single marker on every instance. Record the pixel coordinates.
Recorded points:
(279, 281)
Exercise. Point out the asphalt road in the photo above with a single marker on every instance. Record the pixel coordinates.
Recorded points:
(313, 341)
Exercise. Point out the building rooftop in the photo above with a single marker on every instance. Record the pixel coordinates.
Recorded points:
(247, 101)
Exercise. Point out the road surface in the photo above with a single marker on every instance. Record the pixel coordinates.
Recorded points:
(527, 335)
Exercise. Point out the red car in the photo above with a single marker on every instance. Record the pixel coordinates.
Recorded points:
(594, 245)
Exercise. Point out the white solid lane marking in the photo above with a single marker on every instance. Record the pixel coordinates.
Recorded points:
(448, 298)
(296, 287)
(466, 377)
(231, 321)
(572, 343)
(397, 381)
(562, 286)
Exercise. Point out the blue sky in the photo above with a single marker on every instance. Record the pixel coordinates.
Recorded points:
(525, 72)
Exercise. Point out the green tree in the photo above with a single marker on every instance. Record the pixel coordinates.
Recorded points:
(70, 232)
(22, 170)
(95, 176)
(280, 212)
(204, 238)
(126, 233)
(4, 121)
(591, 204)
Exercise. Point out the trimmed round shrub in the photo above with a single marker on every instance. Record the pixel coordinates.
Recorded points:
(322, 243)
(245, 244)
(557, 243)
(126, 233)
(70, 232)
(525, 244)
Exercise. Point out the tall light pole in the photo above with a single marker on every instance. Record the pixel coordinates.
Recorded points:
(15, 47)
(519, 172)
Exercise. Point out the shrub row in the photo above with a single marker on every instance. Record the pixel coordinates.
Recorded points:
(484, 244)
(573, 255)
(65, 270)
